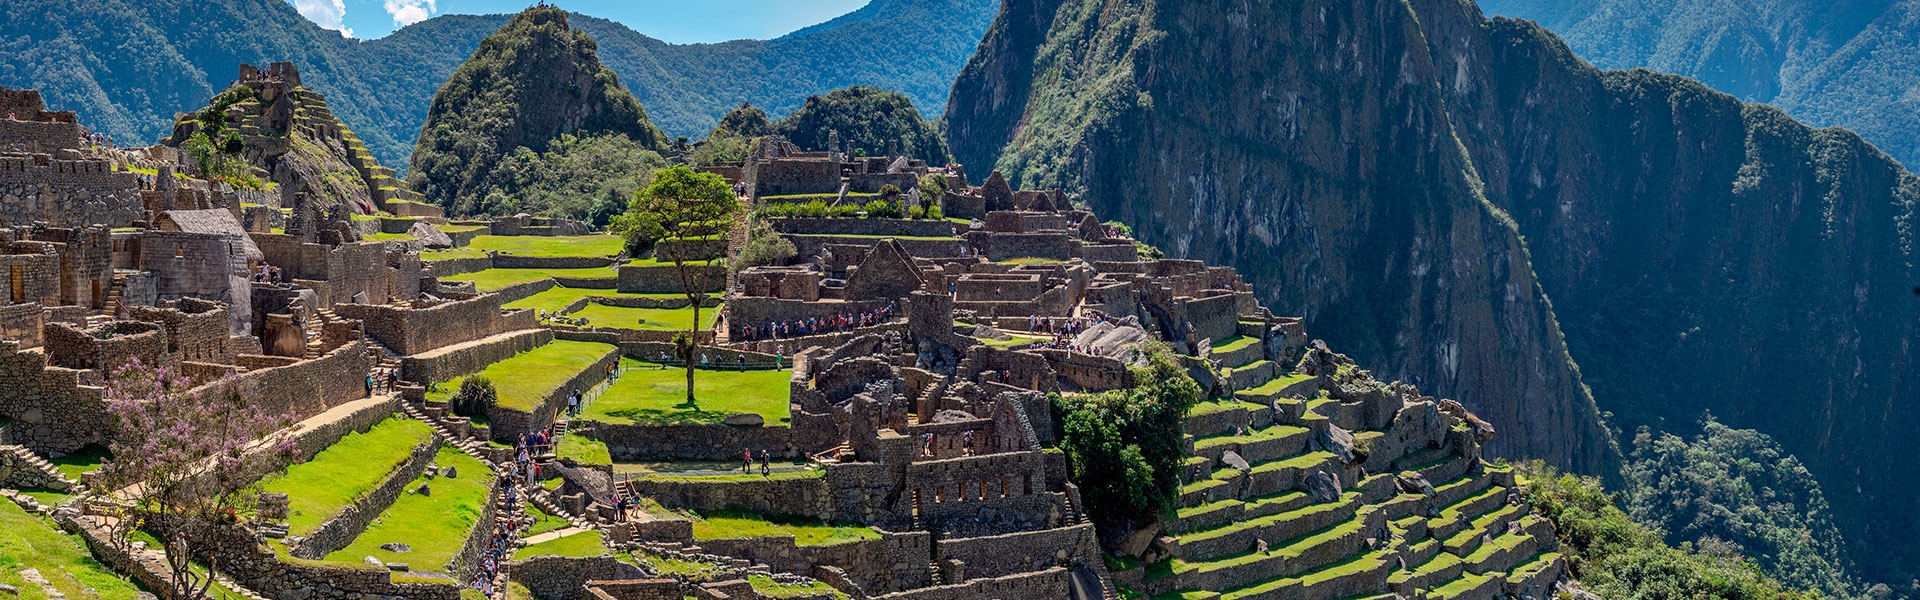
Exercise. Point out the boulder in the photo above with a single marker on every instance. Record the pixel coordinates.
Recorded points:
(1414, 483)
(396, 547)
(9, 590)
(429, 235)
(1136, 544)
(423, 490)
(1340, 443)
(450, 473)
(988, 333)
(746, 420)
(1323, 486)
(398, 566)
(1233, 459)
(375, 562)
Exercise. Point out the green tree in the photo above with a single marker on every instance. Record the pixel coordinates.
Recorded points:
(1124, 447)
(682, 205)
(764, 248)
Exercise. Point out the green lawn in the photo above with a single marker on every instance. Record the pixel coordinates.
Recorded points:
(529, 377)
(533, 245)
(1231, 344)
(1278, 384)
(736, 524)
(388, 237)
(649, 395)
(78, 463)
(348, 469)
(583, 450)
(1032, 261)
(580, 544)
(1014, 340)
(766, 586)
(494, 279)
(675, 319)
(560, 297)
(435, 525)
(543, 522)
(33, 542)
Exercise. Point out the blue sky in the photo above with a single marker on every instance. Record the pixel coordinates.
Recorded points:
(677, 21)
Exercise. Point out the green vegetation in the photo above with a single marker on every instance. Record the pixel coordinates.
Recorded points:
(345, 471)
(583, 450)
(436, 525)
(451, 253)
(477, 125)
(587, 178)
(649, 394)
(559, 298)
(585, 543)
(79, 463)
(34, 542)
(548, 246)
(475, 398)
(672, 319)
(495, 279)
(529, 377)
(764, 248)
(869, 119)
(766, 586)
(1735, 489)
(732, 140)
(1616, 557)
(543, 522)
(735, 524)
(1124, 447)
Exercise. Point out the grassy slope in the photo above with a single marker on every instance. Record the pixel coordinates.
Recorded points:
(528, 377)
(30, 541)
(542, 246)
(435, 525)
(732, 524)
(344, 471)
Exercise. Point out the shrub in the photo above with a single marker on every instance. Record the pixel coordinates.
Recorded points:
(764, 248)
(475, 397)
(882, 209)
(1124, 446)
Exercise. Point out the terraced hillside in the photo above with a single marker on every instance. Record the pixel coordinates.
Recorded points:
(1278, 502)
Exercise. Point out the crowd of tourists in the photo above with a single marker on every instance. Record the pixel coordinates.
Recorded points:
(812, 326)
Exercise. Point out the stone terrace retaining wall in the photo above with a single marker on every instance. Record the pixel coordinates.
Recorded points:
(507, 424)
(413, 331)
(691, 249)
(1039, 585)
(340, 529)
(694, 442)
(1013, 553)
(665, 279)
(509, 261)
(308, 388)
(810, 245)
(565, 578)
(458, 266)
(896, 562)
(467, 561)
(309, 441)
(444, 364)
(805, 497)
(903, 227)
(246, 559)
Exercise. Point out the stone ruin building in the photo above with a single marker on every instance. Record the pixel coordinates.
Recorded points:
(924, 420)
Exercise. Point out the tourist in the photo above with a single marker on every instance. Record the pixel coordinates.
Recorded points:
(967, 439)
(746, 461)
(369, 384)
(766, 463)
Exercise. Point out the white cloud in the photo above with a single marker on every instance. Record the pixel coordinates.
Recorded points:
(325, 13)
(408, 12)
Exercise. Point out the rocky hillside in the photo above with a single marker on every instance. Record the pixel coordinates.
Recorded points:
(531, 82)
(128, 66)
(1850, 63)
(1419, 180)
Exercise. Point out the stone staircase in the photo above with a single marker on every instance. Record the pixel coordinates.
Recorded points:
(114, 292)
(21, 468)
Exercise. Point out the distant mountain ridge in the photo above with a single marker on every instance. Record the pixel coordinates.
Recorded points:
(128, 66)
(1851, 63)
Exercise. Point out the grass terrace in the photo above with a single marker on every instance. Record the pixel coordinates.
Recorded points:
(766, 586)
(667, 319)
(1234, 343)
(34, 542)
(560, 297)
(435, 525)
(583, 450)
(1278, 384)
(495, 279)
(450, 253)
(737, 524)
(347, 470)
(543, 522)
(876, 237)
(651, 394)
(79, 463)
(582, 544)
(544, 246)
(459, 228)
(1014, 340)
(525, 380)
(1033, 261)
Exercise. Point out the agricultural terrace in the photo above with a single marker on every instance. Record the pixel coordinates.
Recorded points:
(738, 524)
(654, 394)
(345, 471)
(528, 378)
(34, 542)
(435, 525)
(495, 279)
(550, 247)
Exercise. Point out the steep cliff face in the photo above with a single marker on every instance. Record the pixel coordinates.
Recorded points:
(1309, 147)
(530, 82)
(1418, 181)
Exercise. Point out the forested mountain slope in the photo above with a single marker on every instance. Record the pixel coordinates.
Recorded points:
(1419, 181)
(128, 66)
(1852, 63)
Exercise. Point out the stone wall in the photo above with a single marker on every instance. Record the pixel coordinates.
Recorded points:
(196, 329)
(34, 269)
(896, 562)
(247, 559)
(417, 330)
(1089, 373)
(339, 529)
(665, 279)
(808, 497)
(696, 442)
(123, 342)
(467, 562)
(509, 261)
(1050, 584)
(1013, 553)
(690, 250)
(308, 387)
(1108, 252)
(964, 206)
(444, 364)
(811, 245)
(900, 227)
(565, 578)
(67, 193)
(761, 310)
(50, 410)
(1008, 246)
(459, 266)
(22, 322)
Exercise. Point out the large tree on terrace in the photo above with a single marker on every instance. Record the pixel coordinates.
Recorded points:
(186, 465)
(681, 206)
